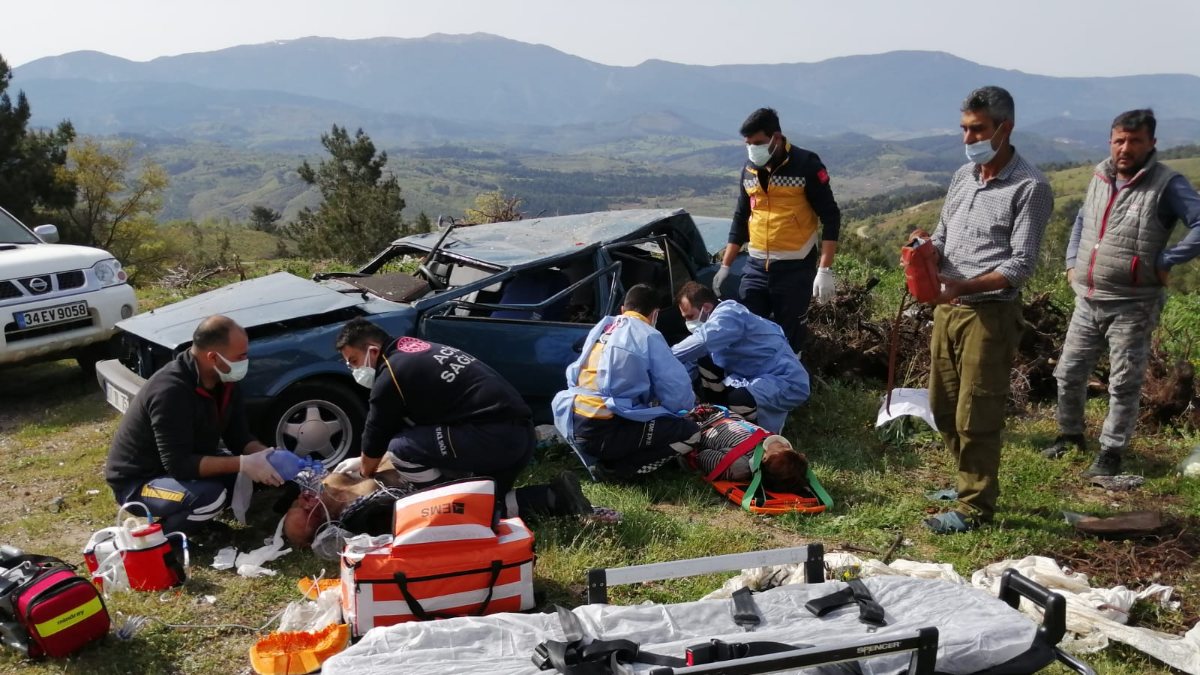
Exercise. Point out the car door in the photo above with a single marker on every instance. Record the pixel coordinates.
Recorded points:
(532, 353)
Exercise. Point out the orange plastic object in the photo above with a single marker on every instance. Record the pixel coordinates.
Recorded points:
(298, 652)
(308, 590)
(920, 259)
(777, 503)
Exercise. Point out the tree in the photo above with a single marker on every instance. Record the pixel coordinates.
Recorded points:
(265, 219)
(422, 224)
(494, 207)
(30, 160)
(115, 207)
(360, 209)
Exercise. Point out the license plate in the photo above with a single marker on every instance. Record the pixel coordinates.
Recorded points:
(48, 315)
(116, 398)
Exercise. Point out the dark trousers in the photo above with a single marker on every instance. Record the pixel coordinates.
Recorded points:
(712, 389)
(179, 506)
(628, 448)
(781, 292)
(499, 450)
(971, 350)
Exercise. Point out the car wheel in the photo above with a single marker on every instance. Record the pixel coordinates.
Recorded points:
(322, 420)
(88, 356)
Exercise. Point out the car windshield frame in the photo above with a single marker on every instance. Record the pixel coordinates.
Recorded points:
(12, 229)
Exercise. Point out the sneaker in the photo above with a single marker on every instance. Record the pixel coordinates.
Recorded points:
(1107, 463)
(569, 499)
(1063, 444)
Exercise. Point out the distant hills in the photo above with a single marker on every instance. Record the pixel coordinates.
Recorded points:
(230, 125)
(463, 87)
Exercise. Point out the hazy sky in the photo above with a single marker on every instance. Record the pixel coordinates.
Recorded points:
(1053, 37)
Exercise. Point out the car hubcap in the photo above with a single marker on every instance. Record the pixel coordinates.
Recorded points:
(317, 428)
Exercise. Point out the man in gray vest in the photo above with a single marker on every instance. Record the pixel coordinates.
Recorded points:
(1118, 263)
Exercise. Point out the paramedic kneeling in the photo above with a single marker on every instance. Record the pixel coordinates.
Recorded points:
(442, 414)
(166, 452)
(627, 395)
(752, 369)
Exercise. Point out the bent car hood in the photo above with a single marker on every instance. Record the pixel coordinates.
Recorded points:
(255, 302)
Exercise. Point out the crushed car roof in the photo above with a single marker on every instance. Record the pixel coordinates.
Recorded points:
(518, 243)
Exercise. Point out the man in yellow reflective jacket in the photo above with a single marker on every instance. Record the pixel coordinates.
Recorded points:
(787, 214)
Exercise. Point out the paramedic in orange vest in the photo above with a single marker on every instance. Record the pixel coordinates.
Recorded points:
(627, 395)
(784, 192)
(441, 414)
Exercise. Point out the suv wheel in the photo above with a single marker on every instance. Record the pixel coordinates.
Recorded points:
(88, 356)
(322, 419)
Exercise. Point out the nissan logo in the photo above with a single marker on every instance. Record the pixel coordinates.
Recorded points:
(38, 285)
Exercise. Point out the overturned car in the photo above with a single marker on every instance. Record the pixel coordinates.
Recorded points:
(521, 296)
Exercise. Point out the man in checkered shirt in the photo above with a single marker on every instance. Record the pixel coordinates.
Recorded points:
(988, 236)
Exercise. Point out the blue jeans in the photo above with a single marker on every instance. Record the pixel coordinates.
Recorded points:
(781, 292)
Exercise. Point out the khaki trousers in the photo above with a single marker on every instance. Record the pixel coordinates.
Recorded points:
(972, 350)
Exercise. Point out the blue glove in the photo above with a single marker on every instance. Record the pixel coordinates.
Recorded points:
(287, 464)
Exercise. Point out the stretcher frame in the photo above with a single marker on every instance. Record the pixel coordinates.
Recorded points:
(922, 644)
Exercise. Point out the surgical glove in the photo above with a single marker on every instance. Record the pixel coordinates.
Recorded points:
(257, 467)
(349, 466)
(825, 285)
(286, 463)
(719, 278)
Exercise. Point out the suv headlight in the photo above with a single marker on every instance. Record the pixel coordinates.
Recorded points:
(109, 272)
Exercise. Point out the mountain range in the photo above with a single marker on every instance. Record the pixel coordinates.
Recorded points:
(463, 114)
(481, 87)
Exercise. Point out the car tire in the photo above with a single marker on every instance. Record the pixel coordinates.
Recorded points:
(311, 418)
(87, 357)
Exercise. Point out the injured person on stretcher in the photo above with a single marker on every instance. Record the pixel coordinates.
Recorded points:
(726, 442)
(346, 504)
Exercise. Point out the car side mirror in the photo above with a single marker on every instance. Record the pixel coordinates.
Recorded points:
(47, 233)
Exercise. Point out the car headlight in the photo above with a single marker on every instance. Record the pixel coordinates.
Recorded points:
(109, 272)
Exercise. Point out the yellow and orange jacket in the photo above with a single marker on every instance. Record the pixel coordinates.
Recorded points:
(778, 209)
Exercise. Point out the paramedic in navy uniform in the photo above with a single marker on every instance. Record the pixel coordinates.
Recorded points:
(442, 414)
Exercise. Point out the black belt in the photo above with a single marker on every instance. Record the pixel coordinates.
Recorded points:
(869, 611)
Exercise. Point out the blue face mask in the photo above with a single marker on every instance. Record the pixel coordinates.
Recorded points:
(982, 152)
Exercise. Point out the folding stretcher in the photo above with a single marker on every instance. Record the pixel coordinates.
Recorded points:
(918, 626)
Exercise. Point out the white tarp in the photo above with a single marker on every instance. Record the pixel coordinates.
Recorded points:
(976, 631)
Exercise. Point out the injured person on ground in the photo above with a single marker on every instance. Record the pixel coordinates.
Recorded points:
(726, 442)
(344, 504)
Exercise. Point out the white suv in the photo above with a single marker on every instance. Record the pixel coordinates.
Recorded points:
(57, 300)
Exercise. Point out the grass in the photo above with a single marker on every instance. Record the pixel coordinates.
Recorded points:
(55, 428)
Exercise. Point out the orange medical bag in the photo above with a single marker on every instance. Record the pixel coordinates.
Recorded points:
(448, 556)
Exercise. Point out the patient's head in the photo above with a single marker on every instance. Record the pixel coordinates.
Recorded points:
(783, 469)
(302, 519)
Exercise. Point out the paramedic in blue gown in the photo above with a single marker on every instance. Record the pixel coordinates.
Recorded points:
(441, 414)
(627, 395)
(744, 361)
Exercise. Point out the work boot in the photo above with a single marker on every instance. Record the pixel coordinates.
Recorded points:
(1107, 463)
(569, 499)
(1062, 445)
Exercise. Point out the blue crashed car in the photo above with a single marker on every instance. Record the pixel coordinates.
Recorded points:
(521, 296)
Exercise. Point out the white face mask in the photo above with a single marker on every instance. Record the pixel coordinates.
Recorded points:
(694, 325)
(237, 369)
(365, 374)
(982, 152)
(759, 154)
